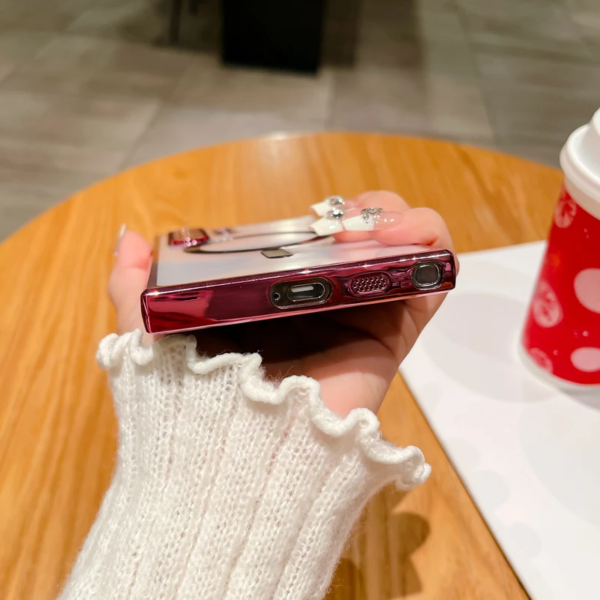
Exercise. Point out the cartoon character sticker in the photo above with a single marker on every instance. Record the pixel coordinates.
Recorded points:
(565, 211)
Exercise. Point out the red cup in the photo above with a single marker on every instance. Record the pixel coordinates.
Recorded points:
(561, 338)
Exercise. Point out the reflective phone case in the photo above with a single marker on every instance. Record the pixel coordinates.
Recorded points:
(208, 277)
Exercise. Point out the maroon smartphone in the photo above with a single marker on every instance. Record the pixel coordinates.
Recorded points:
(203, 278)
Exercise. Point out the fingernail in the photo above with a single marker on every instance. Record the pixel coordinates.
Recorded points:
(322, 208)
(332, 222)
(122, 231)
(371, 219)
(326, 226)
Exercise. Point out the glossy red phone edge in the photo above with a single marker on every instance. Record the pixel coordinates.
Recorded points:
(176, 308)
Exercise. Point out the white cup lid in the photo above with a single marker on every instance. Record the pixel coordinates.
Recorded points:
(580, 161)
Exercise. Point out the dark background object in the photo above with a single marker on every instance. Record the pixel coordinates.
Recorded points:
(277, 34)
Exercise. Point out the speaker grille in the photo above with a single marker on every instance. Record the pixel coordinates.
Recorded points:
(370, 283)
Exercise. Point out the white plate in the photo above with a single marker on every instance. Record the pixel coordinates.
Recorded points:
(528, 453)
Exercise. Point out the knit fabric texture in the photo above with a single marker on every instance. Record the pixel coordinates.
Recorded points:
(227, 486)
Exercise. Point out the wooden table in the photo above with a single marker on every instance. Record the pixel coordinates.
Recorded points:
(57, 427)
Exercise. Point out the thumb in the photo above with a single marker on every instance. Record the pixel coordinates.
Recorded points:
(129, 278)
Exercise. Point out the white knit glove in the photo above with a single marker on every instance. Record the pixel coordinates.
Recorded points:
(227, 486)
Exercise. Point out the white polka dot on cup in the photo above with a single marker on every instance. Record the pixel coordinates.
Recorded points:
(546, 308)
(542, 359)
(587, 289)
(586, 359)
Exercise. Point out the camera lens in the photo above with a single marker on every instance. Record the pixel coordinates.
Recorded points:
(427, 275)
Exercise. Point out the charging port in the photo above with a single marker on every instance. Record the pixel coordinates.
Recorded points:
(311, 291)
(288, 294)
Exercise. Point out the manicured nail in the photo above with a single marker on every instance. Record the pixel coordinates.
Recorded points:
(332, 221)
(371, 219)
(122, 231)
(322, 208)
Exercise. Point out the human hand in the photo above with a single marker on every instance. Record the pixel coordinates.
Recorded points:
(353, 353)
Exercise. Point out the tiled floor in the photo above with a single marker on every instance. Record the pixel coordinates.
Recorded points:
(87, 89)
